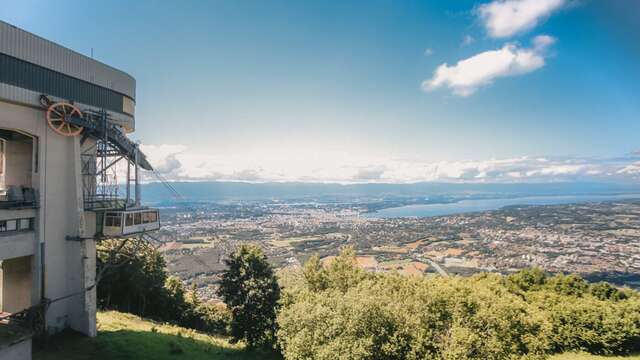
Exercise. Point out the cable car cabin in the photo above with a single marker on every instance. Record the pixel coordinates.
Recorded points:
(128, 222)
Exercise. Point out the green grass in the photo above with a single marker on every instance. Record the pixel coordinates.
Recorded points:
(124, 336)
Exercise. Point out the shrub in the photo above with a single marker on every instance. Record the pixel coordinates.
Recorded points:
(590, 324)
(572, 285)
(210, 318)
(356, 316)
(526, 279)
(604, 291)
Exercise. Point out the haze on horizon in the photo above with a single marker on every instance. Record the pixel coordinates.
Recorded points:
(393, 92)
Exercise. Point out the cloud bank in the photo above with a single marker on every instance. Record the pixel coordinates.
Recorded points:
(177, 162)
(467, 75)
(505, 18)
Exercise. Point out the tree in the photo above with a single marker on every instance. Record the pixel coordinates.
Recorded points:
(175, 306)
(250, 290)
(604, 291)
(389, 316)
(193, 295)
(571, 285)
(132, 277)
(341, 272)
(527, 279)
(314, 274)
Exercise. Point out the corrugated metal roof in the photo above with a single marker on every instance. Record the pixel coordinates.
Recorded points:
(34, 49)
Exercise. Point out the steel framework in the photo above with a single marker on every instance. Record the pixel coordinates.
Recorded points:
(100, 185)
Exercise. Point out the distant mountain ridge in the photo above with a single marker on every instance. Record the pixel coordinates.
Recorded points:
(244, 191)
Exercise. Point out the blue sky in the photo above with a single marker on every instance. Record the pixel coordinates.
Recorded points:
(381, 91)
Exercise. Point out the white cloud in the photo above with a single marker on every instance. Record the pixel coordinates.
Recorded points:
(164, 157)
(631, 169)
(558, 169)
(428, 52)
(504, 18)
(177, 162)
(467, 75)
(542, 42)
(369, 173)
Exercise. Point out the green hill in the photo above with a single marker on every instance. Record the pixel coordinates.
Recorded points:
(125, 336)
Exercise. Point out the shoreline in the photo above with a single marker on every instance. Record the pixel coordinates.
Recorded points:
(466, 206)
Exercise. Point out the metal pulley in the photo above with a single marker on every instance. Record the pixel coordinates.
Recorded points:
(58, 117)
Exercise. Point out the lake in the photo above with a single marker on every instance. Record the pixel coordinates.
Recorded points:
(466, 206)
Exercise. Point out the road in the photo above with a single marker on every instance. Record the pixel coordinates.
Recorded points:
(438, 268)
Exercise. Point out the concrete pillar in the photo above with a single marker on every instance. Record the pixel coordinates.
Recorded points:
(82, 306)
(89, 272)
(82, 268)
(90, 297)
(16, 284)
(36, 274)
(1, 282)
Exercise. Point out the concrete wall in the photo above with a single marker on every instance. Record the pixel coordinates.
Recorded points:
(17, 245)
(18, 163)
(16, 284)
(17, 351)
(67, 264)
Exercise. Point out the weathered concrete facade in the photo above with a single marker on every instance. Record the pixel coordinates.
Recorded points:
(46, 246)
(20, 350)
(15, 283)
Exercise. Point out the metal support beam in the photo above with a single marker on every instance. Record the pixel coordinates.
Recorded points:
(77, 238)
(110, 165)
(138, 200)
(128, 183)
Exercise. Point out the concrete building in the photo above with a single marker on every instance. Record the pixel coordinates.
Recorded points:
(49, 215)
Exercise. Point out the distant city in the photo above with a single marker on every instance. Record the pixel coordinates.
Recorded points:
(593, 231)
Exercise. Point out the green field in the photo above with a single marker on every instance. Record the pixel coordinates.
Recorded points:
(124, 336)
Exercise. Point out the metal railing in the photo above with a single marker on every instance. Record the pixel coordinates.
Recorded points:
(18, 197)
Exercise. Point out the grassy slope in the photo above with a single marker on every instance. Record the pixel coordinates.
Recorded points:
(124, 336)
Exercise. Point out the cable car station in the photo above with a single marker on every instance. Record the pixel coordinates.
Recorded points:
(69, 177)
